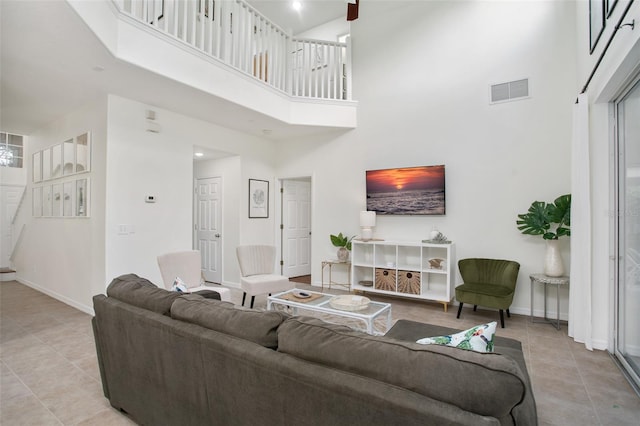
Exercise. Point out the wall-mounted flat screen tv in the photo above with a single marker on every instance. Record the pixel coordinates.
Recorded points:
(406, 191)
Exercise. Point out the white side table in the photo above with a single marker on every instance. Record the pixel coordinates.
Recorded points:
(557, 281)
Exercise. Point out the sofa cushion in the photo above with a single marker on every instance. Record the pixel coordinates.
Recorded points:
(142, 293)
(256, 326)
(478, 338)
(459, 377)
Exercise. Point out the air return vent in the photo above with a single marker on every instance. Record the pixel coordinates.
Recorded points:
(510, 91)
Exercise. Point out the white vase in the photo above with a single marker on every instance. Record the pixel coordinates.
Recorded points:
(553, 266)
(343, 254)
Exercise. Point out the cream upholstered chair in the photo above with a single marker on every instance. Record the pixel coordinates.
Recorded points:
(256, 271)
(188, 266)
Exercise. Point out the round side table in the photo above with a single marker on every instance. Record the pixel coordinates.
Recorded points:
(557, 281)
(330, 264)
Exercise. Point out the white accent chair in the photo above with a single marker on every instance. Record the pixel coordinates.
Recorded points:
(188, 266)
(256, 272)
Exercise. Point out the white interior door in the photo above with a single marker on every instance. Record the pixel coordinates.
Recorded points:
(296, 221)
(208, 227)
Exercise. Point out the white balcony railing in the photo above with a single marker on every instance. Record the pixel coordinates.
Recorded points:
(233, 32)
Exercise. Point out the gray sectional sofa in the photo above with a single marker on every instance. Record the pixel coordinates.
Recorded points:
(172, 359)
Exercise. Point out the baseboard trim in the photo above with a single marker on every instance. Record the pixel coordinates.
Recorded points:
(57, 296)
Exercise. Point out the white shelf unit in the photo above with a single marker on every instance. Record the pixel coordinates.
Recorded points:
(406, 269)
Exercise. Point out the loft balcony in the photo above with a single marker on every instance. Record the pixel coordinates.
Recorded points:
(228, 50)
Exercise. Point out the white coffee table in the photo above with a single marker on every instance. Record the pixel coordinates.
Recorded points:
(321, 304)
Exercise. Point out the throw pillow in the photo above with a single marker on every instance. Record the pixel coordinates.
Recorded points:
(478, 338)
(179, 285)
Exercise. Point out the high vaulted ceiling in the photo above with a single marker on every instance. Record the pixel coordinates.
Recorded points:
(311, 14)
(51, 64)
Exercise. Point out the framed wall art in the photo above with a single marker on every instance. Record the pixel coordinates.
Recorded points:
(56, 200)
(258, 198)
(56, 161)
(68, 197)
(69, 157)
(82, 198)
(46, 164)
(406, 190)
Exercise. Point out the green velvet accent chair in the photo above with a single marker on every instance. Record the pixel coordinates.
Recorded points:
(487, 282)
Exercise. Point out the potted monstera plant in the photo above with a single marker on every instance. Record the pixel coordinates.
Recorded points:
(551, 221)
(343, 243)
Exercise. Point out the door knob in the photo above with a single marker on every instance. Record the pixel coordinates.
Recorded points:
(217, 235)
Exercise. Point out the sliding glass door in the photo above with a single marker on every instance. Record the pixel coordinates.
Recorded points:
(627, 336)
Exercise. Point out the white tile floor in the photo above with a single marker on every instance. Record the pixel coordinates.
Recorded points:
(49, 373)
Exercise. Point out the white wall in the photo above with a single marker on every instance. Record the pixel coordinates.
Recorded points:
(621, 62)
(329, 31)
(13, 175)
(142, 163)
(422, 72)
(64, 257)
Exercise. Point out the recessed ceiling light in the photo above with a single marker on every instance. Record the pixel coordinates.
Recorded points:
(296, 5)
(98, 68)
(199, 154)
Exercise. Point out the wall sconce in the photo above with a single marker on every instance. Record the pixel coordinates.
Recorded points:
(367, 223)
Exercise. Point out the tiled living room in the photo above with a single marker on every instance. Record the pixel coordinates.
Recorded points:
(50, 374)
(112, 110)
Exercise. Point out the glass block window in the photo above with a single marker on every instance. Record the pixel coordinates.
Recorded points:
(11, 150)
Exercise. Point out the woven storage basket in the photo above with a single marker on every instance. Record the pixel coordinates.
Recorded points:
(409, 282)
(385, 279)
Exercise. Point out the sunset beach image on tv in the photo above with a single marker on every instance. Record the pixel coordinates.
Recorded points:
(406, 191)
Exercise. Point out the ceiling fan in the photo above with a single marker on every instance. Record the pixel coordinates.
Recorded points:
(352, 10)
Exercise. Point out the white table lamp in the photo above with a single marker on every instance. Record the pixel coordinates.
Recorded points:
(367, 223)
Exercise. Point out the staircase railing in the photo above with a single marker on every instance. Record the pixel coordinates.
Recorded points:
(17, 244)
(15, 212)
(235, 33)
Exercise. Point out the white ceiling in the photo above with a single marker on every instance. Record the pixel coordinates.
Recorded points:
(52, 64)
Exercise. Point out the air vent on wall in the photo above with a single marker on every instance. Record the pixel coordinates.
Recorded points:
(510, 91)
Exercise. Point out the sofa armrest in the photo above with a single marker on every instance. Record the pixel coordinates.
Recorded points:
(103, 376)
(410, 331)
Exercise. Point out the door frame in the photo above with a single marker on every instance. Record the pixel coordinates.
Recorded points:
(279, 225)
(618, 171)
(194, 231)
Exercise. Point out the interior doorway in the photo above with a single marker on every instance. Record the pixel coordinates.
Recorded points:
(295, 226)
(208, 226)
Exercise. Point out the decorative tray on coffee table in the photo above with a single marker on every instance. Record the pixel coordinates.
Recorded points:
(349, 302)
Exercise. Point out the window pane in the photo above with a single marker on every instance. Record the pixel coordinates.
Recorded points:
(6, 156)
(15, 140)
(16, 150)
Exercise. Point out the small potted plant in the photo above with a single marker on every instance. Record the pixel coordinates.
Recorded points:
(551, 221)
(343, 243)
